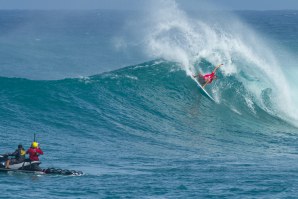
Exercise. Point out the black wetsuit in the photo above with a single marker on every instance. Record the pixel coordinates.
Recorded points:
(19, 155)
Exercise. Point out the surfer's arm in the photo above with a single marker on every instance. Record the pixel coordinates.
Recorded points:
(217, 67)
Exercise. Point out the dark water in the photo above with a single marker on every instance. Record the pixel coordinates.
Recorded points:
(144, 130)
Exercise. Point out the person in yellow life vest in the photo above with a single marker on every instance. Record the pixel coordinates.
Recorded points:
(19, 155)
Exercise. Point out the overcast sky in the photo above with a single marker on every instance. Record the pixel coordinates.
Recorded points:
(139, 4)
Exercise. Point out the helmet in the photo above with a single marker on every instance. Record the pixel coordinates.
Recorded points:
(34, 144)
(20, 146)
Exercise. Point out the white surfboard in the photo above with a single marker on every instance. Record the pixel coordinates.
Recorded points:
(204, 92)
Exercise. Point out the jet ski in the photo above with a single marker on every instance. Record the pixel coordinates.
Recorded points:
(33, 167)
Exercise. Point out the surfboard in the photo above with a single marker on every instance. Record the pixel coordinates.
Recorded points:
(204, 92)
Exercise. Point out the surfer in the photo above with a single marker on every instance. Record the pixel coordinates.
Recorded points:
(208, 78)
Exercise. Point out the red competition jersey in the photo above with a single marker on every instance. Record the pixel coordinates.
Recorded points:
(209, 76)
(34, 153)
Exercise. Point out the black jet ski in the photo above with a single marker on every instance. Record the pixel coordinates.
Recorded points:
(33, 167)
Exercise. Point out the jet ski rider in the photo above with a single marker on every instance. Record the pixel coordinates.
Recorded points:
(19, 155)
(34, 151)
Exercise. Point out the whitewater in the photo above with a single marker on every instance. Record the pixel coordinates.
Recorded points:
(111, 93)
(171, 34)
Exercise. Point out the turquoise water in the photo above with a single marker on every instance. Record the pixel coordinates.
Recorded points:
(138, 127)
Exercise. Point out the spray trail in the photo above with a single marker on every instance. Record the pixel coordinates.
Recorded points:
(171, 34)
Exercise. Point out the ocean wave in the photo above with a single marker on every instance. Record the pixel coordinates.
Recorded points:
(155, 90)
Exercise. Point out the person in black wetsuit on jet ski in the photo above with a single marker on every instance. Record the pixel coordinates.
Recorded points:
(19, 155)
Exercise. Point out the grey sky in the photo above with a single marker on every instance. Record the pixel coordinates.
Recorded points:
(139, 4)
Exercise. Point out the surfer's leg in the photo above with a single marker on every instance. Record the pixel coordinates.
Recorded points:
(207, 82)
(201, 80)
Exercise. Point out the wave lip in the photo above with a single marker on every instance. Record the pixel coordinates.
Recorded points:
(214, 38)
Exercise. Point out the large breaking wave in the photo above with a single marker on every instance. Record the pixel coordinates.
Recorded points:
(140, 98)
(198, 42)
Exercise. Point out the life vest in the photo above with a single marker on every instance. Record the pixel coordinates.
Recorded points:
(20, 155)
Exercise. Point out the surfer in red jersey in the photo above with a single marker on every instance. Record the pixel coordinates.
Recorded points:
(208, 78)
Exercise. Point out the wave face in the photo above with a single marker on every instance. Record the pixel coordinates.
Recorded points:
(140, 97)
(145, 123)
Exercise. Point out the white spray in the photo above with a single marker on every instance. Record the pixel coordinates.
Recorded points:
(170, 34)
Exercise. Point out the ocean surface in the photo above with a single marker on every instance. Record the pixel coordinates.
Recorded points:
(111, 93)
